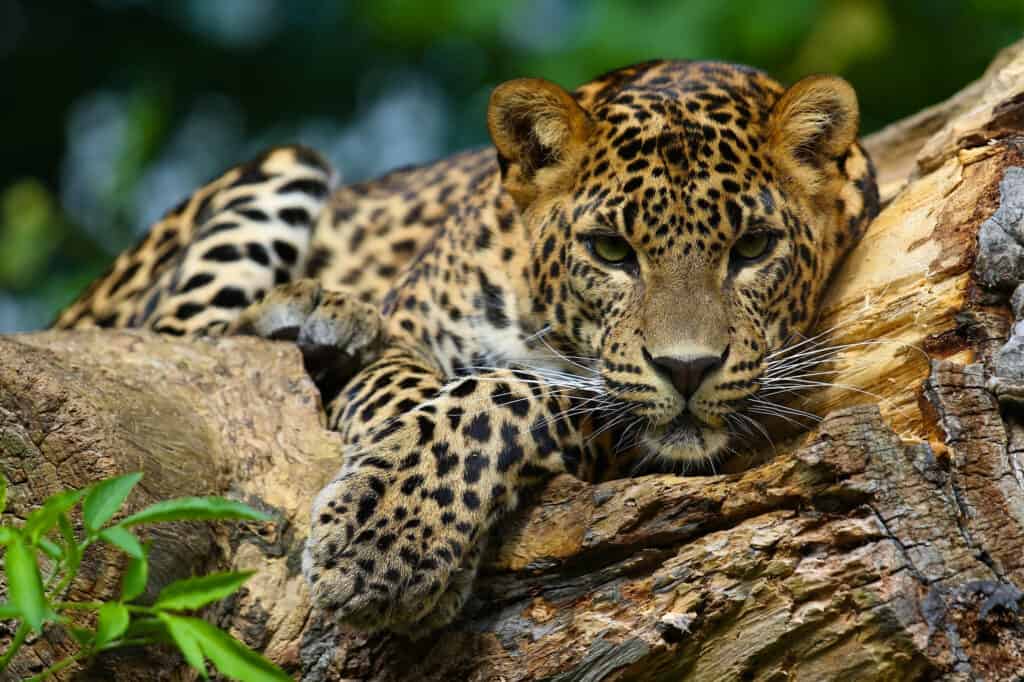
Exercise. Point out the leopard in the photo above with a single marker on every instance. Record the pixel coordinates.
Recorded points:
(599, 292)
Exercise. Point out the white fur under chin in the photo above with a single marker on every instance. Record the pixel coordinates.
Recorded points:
(676, 447)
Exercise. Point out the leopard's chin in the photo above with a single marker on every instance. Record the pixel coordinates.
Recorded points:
(687, 439)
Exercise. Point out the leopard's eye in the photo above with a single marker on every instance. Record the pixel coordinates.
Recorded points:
(752, 245)
(614, 250)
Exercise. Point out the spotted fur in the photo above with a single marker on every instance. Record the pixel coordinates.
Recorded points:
(500, 346)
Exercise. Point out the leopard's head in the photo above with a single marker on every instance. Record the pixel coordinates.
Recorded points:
(685, 218)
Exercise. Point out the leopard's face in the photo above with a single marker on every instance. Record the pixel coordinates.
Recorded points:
(688, 237)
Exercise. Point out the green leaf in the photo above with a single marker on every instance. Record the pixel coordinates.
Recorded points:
(43, 519)
(231, 657)
(182, 634)
(67, 531)
(5, 535)
(194, 509)
(112, 622)
(133, 582)
(24, 583)
(51, 548)
(105, 498)
(72, 553)
(194, 593)
(123, 539)
(148, 628)
(3, 494)
(234, 659)
(84, 636)
(8, 611)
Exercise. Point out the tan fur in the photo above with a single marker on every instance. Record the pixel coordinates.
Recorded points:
(528, 113)
(815, 120)
(495, 346)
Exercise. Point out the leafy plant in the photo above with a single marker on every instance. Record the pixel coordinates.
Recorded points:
(35, 600)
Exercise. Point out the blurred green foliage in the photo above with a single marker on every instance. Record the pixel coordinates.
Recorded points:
(117, 108)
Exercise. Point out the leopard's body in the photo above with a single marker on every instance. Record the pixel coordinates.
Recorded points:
(603, 289)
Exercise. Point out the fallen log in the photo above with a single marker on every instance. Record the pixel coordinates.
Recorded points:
(887, 543)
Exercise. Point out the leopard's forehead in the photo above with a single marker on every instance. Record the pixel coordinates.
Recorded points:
(678, 157)
(685, 90)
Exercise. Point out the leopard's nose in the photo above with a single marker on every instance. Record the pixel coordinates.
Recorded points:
(687, 373)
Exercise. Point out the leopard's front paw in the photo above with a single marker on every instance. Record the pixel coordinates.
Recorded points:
(381, 555)
(317, 319)
(451, 601)
(336, 332)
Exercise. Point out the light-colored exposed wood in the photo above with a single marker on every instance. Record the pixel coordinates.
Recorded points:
(897, 148)
(904, 295)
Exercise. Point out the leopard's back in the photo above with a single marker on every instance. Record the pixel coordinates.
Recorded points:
(270, 221)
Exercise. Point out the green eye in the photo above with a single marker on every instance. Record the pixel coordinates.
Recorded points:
(612, 249)
(753, 245)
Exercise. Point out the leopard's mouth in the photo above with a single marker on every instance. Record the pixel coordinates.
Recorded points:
(687, 439)
(683, 429)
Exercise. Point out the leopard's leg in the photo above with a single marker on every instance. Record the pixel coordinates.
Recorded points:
(220, 250)
(429, 467)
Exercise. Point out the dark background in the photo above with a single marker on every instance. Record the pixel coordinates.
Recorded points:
(115, 109)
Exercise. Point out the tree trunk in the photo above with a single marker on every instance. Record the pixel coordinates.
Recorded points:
(888, 543)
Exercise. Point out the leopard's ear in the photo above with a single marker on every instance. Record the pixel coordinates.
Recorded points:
(539, 131)
(812, 124)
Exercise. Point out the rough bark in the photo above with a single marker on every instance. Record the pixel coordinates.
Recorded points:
(888, 543)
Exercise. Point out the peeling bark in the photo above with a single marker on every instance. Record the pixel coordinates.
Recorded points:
(886, 544)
